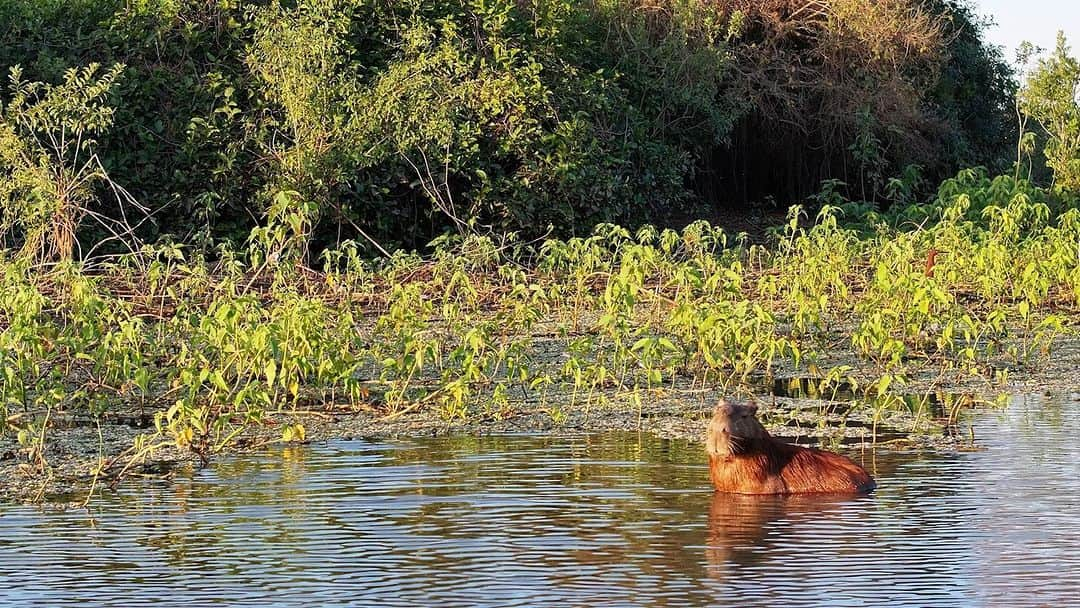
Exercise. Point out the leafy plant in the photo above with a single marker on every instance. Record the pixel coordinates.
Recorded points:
(1051, 95)
(48, 158)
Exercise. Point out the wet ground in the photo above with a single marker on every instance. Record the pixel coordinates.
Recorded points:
(74, 447)
(796, 406)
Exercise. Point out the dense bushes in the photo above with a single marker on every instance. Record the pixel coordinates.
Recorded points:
(1052, 97)
(400, 119)
(516, 115)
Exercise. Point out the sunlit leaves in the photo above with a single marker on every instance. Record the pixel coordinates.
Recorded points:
(1051, 96)
(485, 325)
(48, 157)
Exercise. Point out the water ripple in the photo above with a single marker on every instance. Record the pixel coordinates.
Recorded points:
(611, 520)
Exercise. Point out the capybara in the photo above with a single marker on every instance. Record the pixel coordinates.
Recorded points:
(745, 459)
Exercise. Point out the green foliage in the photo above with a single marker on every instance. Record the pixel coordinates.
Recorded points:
(399, 120)
(48, 158)
(396, 119)
(975, 94)
(984, 278)
(492, 110)
(1051, 96)
(299, 56)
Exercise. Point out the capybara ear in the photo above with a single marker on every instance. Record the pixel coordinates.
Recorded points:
(751, 408)
(728, 409)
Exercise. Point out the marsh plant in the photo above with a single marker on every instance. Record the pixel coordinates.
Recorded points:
(213, 350)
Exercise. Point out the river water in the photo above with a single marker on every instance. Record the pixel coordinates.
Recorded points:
(603, 520)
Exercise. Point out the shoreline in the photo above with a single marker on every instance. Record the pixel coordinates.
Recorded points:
(74, 450)
(75, 443)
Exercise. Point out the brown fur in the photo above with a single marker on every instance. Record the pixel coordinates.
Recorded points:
(745, 459)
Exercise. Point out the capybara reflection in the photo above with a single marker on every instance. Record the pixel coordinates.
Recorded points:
(745, 459)
(738, 525)
(747, 530)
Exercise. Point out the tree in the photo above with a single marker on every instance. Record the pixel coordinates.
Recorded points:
(1051, 96)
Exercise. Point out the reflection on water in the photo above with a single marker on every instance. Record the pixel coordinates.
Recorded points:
(609, 520)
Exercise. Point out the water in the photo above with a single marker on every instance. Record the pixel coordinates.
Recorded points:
(609, 520)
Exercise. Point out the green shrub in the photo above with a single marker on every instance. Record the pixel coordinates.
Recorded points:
(48, 158)
(1051, 96)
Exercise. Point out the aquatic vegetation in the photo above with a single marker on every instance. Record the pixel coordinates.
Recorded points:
(982, 280)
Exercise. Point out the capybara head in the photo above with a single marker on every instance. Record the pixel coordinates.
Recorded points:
(733, 428)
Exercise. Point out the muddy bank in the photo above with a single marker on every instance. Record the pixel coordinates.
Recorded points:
(75, 449)
(922, 415)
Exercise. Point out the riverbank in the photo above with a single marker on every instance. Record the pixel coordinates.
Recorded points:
(890, 330)
(84, 454)
(76, 449)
